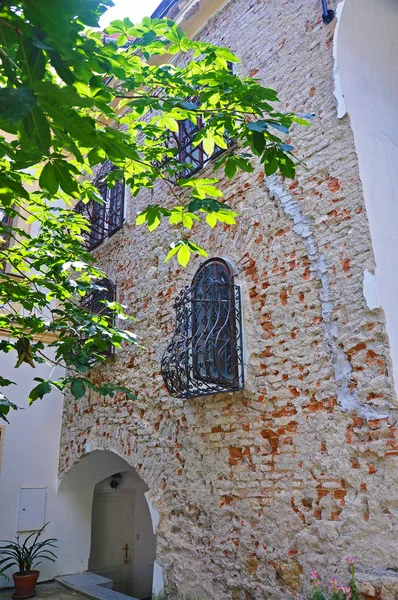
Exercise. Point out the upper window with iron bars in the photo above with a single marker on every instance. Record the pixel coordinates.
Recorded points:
(96, 303)
(193, 156)
(108, 217)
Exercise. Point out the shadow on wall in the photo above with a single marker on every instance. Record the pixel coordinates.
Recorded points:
(105, 530)
(367, 61)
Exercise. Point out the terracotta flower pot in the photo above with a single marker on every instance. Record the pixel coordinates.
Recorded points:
(25, 584)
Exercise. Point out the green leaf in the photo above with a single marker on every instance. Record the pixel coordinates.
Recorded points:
(37, 130)
(78, 389)
(168, 122)
(270, 160)
(287, 166)
(5, 382)
(15, 103)
(48, 178)
(231, 167)
(122, 39)
(174, 249)
(258, 142)
(61, 68)
(211, 219)
(64, 176)
(257, 126)
(301, 121)
(39, 391)
(35, 61)
(244, 164)
(184, 254)
(197, 249)
(5, 406)
(208, 144)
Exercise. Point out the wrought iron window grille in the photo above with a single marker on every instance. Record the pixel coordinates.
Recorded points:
(194, 158)
(106, 218)
(94, 303)
(205, 354)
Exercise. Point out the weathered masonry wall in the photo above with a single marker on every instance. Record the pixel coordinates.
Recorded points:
(299, 470)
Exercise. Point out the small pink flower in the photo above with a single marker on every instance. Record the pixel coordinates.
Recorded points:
(346, 591)
(314, 575)
(333, 584)
(350, 560)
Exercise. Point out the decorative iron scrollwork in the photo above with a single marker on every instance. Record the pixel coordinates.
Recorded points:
(205, 355)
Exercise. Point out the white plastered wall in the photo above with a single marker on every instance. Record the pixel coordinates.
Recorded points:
(30, 451)
(367, 61)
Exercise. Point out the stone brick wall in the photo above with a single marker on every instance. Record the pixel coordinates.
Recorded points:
(298, 470)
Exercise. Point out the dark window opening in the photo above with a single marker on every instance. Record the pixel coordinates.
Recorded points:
(94, 303)
(5, 223)
(106, 218)
(205, 355)
(194, 157)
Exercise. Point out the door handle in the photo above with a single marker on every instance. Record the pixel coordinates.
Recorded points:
(126, 553)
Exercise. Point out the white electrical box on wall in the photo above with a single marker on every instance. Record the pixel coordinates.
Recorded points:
(32, 509)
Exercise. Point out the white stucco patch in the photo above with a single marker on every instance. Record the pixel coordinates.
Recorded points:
(153, 512)
(370, 290)
(347, 400)
(367, 55)
(338, 90)
(158, 582)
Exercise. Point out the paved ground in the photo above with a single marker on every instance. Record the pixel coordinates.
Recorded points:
(47, 591)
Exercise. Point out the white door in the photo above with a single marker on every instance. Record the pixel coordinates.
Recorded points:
(112, 535)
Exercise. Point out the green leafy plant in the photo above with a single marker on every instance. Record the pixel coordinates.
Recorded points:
(69, 102)
(337, 591)
(27, 555)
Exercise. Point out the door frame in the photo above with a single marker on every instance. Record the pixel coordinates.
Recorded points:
(128, 532)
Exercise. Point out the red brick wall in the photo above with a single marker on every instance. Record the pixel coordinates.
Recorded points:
(297, 471)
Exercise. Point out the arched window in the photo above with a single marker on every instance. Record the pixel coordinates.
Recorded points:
(205, 355)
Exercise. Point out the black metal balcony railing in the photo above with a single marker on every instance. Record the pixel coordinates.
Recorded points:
(205, 355)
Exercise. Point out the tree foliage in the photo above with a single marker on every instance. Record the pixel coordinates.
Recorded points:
(69, 100)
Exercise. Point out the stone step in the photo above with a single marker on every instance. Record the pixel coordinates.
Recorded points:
(92, 586)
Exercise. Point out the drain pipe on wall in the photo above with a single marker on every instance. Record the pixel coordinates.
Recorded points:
(328, 13)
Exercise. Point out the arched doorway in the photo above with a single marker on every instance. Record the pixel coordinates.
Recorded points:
(123, 545)
(97, 521)
(367, 62)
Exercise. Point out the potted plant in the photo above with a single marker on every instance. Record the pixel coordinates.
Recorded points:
(26, 556)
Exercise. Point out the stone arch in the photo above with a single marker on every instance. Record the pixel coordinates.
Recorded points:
(366, 51)
(74, 509)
